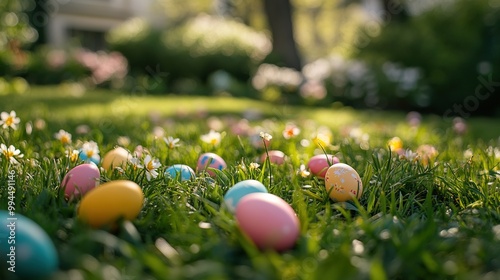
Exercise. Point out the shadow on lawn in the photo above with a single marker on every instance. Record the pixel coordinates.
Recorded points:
(115, 109)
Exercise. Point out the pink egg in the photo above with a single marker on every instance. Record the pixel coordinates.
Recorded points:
(210, 160)
(343, 182)
(275, 156)
(268, 221)
(318, 164)
(81, 179)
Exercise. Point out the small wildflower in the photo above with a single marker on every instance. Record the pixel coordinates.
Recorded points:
(409, 155)
(213, 138)
(242, 166)
(139, 149)
(321, 139)
(459, 126)
(9, 120)
(40, 124)
(171, 142)
(215, 123)
(123, 141)
(253, 166)
(90, 152)
(414, 118)
(151, 164)
(266, 136)
(395, 144)
(11, 153)
(158, 132)
(468, 154)
(63, 136)
(29, 128)
(291, 131)
(72, 155)
(493, 152)
(427, 153)
(303, 171)
(135, 163)
(82, 129)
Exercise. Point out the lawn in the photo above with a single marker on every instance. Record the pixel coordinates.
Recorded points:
(429, 210)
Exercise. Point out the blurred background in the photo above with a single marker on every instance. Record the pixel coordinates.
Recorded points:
(440, 57)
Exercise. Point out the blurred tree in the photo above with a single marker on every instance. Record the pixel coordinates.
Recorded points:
(15, 29)
(279, 17)
(15, 34)
(178, 11)
(394, 10)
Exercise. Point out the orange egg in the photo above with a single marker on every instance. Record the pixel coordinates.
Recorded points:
(111, 201)
(343, 182)
(118, 157)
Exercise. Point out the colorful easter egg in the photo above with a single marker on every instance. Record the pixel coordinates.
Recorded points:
(275, 156)
(268, 221)
(180, 171)
(239, 190)
(110, 202)
(318, 164)
(27, 250)
(343, 182)
(207, 161)
(80, 179)
(118, 157)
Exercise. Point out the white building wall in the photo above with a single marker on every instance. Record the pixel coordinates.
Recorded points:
(93, 15)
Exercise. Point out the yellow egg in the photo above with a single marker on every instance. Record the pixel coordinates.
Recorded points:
(343, 182)
(118, 157)
(111, 201)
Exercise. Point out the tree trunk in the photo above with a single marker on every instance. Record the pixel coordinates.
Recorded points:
(279, 18)
(394, 10)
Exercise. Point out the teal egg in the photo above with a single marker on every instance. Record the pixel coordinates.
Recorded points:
(239, 190)
(180, 171)
(26, 248)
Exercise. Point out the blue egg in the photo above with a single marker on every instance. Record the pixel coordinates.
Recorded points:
(239, 190)
(26, 249)
(180, 171)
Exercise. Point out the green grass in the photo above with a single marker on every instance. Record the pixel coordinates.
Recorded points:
(413, 221)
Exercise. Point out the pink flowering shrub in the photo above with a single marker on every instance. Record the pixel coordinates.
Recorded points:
(54, 66)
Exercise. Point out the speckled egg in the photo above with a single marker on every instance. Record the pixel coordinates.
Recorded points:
(275, 156)
(318, 164)
(207, 161)
(27, 250)
(268, 221)
(118, 157)
(181, 172)
(80, 179)
(343, 182)
(239, 190)
(111, 201)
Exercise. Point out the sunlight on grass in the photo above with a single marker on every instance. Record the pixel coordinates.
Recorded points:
(429, 206)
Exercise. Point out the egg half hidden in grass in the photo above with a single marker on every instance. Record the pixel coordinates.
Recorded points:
(208, 161)
(111, 201)
(241, 189)
(319, 164)
(275, 156)
(80, 179)
(27, 250)
(118, 157)
(343, 183)
(180, 172)
(268, 221)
